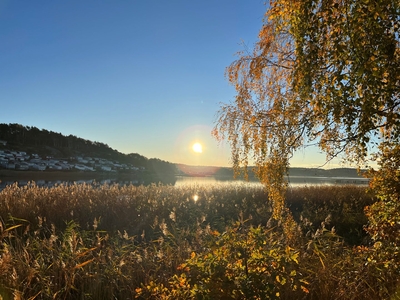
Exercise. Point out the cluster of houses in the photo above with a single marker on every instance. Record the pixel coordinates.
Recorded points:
(20, 160)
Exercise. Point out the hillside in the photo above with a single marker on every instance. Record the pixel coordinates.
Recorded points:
(49, 145)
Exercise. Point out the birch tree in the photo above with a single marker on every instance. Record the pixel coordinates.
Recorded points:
(321, 72)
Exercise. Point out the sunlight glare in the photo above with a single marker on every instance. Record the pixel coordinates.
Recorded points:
(197, 148)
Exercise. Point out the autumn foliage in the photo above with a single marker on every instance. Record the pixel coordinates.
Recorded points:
(323, 73)
(158, 242)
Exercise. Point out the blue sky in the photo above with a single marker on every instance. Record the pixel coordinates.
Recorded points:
(143, 77)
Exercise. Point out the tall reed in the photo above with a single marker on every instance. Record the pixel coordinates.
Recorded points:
(164, 242)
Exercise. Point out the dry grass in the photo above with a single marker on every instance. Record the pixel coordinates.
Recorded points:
(122, 242)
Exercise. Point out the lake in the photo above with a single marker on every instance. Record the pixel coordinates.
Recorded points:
(294, 181)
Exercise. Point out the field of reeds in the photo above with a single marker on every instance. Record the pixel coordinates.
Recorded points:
(193, 242)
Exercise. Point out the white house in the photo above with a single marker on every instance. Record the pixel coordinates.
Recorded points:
(106, 168)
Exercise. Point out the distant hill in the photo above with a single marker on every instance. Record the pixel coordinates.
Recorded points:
(49, 143)
(316, 172)
(46, 143)
(187, 170)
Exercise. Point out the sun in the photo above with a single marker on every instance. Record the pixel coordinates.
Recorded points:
(197, 148)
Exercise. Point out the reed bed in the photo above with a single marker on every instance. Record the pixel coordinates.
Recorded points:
(193, 242)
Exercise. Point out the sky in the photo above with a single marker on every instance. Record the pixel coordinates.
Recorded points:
(143, 77)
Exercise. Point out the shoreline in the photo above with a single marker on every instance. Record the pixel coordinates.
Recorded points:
(71, 176)
(10, 175)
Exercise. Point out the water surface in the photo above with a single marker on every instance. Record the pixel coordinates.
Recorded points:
(294, 181)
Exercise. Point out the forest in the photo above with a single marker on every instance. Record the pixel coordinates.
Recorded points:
(50, 143)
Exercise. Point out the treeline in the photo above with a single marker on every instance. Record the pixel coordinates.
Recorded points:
(52, 143)
(49, 143)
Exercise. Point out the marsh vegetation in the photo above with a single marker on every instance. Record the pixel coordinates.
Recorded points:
(189, 242)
